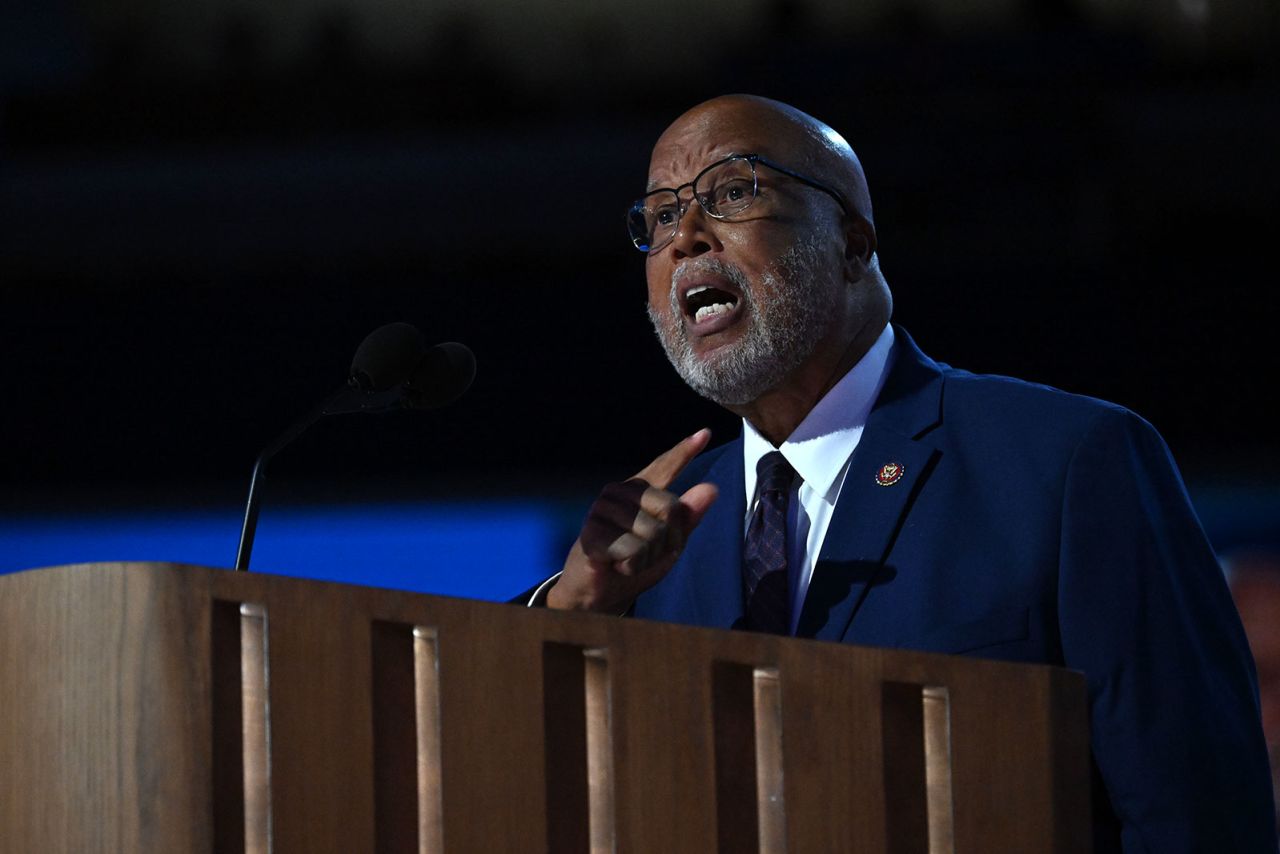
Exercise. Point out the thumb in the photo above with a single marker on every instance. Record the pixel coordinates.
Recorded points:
(697, 501)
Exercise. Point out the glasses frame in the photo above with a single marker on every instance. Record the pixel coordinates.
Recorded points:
(681, 206)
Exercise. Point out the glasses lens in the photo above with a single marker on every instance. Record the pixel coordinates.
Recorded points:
(638, 226)
(727, 188)
(652, 220)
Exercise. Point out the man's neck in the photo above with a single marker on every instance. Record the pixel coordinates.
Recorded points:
(778, 412)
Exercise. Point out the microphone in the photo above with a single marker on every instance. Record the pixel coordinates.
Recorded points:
(382, 363)
(414, 379)
(387, 356)
(392, 369)
(442, 376)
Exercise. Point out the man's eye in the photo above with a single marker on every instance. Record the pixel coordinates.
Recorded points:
(734, 194)
(666, 215)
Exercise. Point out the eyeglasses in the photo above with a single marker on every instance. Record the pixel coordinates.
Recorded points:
(724, 188)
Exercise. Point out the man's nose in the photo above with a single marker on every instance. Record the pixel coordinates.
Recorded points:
(694, 234)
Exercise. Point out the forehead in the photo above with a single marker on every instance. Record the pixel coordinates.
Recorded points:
(696, 141)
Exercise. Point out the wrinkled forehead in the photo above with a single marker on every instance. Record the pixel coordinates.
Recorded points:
(695, 142)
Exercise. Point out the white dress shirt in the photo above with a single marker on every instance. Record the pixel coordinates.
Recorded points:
(819, 450)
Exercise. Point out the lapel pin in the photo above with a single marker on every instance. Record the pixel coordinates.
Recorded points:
(889, 474)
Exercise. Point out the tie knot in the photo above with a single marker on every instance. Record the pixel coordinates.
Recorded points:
(774, 473)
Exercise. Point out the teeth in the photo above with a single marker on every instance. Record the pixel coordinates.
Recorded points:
(710, 311)
(697, 290)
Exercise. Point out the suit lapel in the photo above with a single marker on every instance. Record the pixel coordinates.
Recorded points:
(866, 519)
(875, 498)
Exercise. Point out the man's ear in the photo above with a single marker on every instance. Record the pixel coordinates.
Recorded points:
(859, 246)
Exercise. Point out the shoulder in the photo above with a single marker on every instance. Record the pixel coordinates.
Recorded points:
(959, 408)
(998, 426)
(965, 390)
(1022, 411)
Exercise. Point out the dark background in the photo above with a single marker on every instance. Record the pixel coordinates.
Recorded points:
(203, 210)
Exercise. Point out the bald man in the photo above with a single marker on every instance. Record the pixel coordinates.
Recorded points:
(880, 498)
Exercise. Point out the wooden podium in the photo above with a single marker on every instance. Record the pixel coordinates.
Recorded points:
(164, 708)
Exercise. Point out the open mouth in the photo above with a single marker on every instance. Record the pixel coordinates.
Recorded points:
(704, 303)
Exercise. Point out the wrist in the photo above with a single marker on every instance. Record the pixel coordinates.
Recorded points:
(556, 598)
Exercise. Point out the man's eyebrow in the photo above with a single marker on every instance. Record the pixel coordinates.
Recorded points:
(654, 185)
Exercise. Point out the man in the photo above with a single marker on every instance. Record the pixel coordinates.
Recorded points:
(877, 497)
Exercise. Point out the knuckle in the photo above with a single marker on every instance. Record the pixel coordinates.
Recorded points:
(625, 547)
(594, 547)
(657, 532)
(665, 506)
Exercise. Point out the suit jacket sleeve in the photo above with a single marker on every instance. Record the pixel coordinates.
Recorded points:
(1145, 613)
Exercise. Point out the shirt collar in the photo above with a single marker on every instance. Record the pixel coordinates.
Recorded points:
(821, 445)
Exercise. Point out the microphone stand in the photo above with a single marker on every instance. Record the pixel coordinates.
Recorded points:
(355, 400)
(441, 374)
(255, 483)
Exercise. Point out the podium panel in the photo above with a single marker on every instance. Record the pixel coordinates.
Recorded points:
(167, 708)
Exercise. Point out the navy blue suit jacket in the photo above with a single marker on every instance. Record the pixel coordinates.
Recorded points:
(1030, 525)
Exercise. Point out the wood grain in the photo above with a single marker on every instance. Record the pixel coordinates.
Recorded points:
(117, 728)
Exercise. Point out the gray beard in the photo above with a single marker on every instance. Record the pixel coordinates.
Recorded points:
(785, 321)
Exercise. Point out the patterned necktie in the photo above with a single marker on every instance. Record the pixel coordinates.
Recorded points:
(764, 558)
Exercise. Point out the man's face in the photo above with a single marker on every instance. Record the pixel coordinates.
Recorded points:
(739, 304)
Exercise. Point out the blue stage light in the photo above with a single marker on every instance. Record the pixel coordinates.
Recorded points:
(479, 551)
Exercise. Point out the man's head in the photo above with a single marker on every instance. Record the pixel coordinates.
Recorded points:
(785, 295)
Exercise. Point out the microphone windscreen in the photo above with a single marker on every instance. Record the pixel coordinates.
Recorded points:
(445, 372)
(387, 356)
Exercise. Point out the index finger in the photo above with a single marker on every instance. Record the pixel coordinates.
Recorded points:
(666, 467)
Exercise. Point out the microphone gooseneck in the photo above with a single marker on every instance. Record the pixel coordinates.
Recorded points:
(392, 369)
